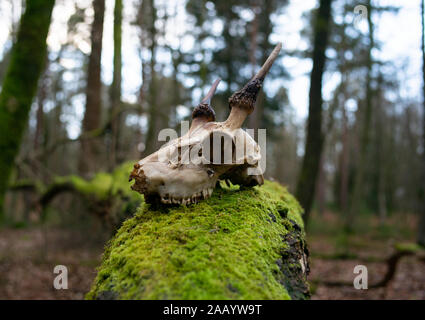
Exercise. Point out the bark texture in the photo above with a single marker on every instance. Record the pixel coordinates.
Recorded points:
(245, 244)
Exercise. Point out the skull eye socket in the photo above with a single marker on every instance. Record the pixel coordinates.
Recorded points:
(210, 172)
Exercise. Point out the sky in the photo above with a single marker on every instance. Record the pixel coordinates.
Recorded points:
(399, 34)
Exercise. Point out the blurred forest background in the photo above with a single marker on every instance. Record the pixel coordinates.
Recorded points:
(345, 122)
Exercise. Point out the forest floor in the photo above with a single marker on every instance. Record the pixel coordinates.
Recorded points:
(334, 255)
(29, 255)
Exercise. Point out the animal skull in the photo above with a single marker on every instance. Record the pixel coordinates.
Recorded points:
(186, 169)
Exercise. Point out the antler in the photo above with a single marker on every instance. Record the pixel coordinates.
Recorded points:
(242, 102)
(203, 112)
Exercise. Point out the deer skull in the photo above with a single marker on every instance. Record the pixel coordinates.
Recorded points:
(186, 169)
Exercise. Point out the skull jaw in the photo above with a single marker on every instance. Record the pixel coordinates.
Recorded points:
(160, 183)
(170, 198)
(174, 194)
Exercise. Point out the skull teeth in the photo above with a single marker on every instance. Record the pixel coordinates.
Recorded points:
(195, 198)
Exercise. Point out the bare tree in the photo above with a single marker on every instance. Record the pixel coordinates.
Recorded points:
(421, 233)
(314, 142)
(149, 13)
(365, 129)
(116, 84)
(92, 115)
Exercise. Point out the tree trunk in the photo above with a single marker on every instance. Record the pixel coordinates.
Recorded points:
(40, 109)
(356, 199)
(228, 58)
(244, 245)
(116, 86)
(92, 115)
(253, 119)
(20, 84)
(343, 194)
(314, 142)
(421, 233)
(262, 25)
(321, 187)
(151, 135)
(380, 143)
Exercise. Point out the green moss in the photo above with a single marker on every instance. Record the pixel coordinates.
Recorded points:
(409, 247)
(107, 195)
(237, 245)
(104, 185)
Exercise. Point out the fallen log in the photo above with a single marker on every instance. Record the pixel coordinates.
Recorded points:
(239, 244)
(107, 195)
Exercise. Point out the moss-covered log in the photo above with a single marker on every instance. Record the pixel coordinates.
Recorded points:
(240, 244)
(106, 194)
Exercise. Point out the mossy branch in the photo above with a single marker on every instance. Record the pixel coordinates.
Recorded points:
(102, 192)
